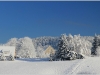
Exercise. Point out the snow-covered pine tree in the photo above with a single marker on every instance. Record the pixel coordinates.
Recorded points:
(95, 46)
(61, 47)
(64, 52)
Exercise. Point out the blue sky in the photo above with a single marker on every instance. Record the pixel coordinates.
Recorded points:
(35, 19)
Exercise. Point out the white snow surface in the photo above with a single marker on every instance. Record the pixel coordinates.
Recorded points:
(88, 66)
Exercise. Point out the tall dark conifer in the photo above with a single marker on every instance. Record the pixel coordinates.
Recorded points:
(95, 46)
(64, 52)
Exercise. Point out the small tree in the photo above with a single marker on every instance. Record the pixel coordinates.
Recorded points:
(11, 58)
(2, 57)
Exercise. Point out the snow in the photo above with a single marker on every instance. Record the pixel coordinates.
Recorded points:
(38, 66)
(89, 66)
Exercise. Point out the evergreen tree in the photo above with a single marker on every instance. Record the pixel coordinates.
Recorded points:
(64, 52)
(95, 45)
(61, 47)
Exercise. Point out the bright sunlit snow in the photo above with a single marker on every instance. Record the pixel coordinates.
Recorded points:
(43, 67)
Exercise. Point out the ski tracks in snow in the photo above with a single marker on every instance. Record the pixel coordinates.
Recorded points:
(74, 67)
(62, 67)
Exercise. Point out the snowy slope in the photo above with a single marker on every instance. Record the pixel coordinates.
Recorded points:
(40, 67)
(37, 67)
(90, 66)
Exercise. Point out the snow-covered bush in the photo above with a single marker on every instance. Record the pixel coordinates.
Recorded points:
(11, 58)
(2, 57)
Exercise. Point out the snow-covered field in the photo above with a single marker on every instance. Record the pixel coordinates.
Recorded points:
(88, 66)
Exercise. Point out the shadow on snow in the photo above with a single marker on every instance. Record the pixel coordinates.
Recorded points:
(33, 59)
